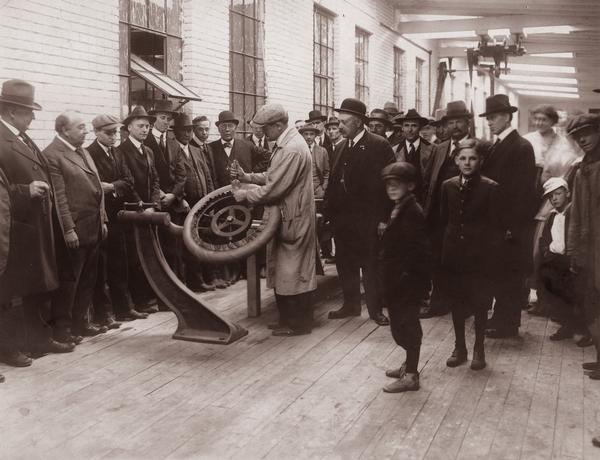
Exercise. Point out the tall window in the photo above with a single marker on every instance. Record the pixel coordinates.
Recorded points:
(361, 64)
(398, 77)
(419, 84)
(323, 62)
(151, 30)
(246, 59)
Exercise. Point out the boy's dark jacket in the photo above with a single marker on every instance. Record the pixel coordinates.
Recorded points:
(405, 254)
(470, 215)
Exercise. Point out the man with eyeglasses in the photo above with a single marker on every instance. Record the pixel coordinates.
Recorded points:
(117, 183)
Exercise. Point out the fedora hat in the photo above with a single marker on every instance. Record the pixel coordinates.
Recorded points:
(19, 92)
(315, 115)
(138, 112)
(309, 127)
(380, 115)
(182, 120)
(412, 115)
(456, 109)
(439, 117)
(332, 121)
(391, 108)
(227, 116)
(498, 103)
(353, 106)
(162, 106)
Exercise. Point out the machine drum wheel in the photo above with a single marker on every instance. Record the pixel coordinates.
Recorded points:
(220, 230)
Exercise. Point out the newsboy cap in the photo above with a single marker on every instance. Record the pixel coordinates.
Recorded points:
(579, 122)
(105, 120)
(400, 170)
(554, 183)
(269, 114)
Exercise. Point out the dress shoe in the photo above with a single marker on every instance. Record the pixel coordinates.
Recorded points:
(343, 313)
(596, 441)
(207, 286)
(584, 341)
(90, 330)
(478, 361)
(2, 379)
(429, 312)
(220, 284)
(562, 333)
(110, 323)
(52, 346)
(76, 339)
(457, 358)
(595, 374)
(502, 333)
(15, 358)
(381, 320)
(147, 309)
(289, 332)
(408, 382)
(131, 315)
(396, 373)
(591, 366)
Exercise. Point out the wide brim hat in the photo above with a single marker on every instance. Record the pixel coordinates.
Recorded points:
(439, 117)
(332, 121)
(315, 115)
(19, 92)
(496, 104)
(227, 116)
(162, 106)
(391, 108)
(380, 115)
(456, 109)
(138, 112)
(353, 106)
(309, 127)
(182, 120)
(411, 115)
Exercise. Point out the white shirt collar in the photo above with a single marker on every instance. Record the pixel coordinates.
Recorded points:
(67, 143)
(416, 143)
(505, 133)
(135, 142)
(256, 140)
(185, 148)
(358, 137)
(11, 128)
(103, 147)
(156, 133)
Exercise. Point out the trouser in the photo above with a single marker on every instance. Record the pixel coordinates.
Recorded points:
(111, 291)
(139, 287)
(510, 291)
(296, 311)
(352, 257)
(404, 322)
(172, 245)
(12, 325)
(72, 302)
(36, 312)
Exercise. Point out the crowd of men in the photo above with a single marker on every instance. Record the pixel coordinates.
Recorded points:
(69, 268)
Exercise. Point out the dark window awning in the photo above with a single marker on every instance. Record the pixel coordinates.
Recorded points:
(161, 81)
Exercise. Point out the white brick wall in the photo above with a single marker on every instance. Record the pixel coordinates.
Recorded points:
(69, 50)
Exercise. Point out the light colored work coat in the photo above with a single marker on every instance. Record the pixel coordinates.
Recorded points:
(288, 184)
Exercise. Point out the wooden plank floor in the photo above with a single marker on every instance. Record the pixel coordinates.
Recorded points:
(136, 393)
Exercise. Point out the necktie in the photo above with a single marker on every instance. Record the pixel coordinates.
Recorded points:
(260, 143)
(320, 141)
(411, 152)
(162, 142)
(29, 143)
(351, 143)
(80, 152)
(454, 148)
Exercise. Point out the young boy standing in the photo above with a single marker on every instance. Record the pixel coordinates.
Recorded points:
(469, 215)
(405, 259)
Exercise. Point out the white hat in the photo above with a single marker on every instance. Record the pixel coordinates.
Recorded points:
(554, 183)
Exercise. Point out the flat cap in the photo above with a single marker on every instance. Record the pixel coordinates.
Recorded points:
(269, 114)
(579, 122)
(554, 183)
(399, 170)
(104, 121)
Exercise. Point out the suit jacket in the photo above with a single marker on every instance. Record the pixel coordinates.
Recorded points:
(245, 152)
(33, 246)
(112, 169)
(424, 152)
(78, 191)
(356, 192)
(199, 180)
(320, 166)
(511, 163)
(168, 164)
(470, 216)
(146, 185)
(291, 255)
(208, 157)
(431, 175)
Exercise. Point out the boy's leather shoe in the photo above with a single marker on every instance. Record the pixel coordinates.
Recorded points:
(478, 361)
(458, 357)
(381, 320)
(396, 373)
(408, 382)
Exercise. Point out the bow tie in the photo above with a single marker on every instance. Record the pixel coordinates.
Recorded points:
(227, 145)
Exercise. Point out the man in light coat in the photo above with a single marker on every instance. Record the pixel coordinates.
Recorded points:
(287, 183)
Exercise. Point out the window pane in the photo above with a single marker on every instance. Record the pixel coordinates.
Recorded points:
(174, 58)
(237, 106)
(124, 95)
(124, 10)
(249, 36)
(138, 14)
(330, 33)
(324, 92)
(237, 5)
(237, 72)
(324, 69)
(317, 60)
(123, 49)
(249, 75)
(156, 15)
(260, 77)
(237, 33)
(324, 30)
(330, 62)
(316, 28)
(317, 90)
(260, 10)
(174, 17)
(249, 111)
(259, 39)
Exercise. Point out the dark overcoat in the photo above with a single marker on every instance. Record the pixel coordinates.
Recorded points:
(146, 185)
(168, 165)
(198, 177)
(511, 163)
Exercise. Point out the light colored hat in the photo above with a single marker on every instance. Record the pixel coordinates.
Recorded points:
(554, 183)
(105, 121)
(269, 114)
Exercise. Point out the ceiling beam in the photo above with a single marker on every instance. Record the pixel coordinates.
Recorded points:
(533, 48)
(513, 22)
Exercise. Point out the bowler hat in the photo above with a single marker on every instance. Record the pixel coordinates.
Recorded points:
(456, 109)
(19, 92)
(162, 106)
(182, 120)
(579, 122)
(380, 115)
(353, 106)
(332, 121)
(138, 112)
(269, 114)
(227, 116)
(391, 108)
(400, 170)
(105, 121)
(412, 115)
(498, 103)
(315, 115)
